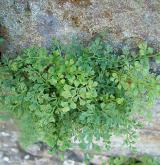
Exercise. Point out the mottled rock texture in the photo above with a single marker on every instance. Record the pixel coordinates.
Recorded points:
(125, 22)
(36, 21)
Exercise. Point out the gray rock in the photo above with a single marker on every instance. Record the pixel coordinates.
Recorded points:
(5, 134)
(34, 150)
(11, 153)
(27, 157)
(36, 21)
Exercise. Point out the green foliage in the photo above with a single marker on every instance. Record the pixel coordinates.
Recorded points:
(157, 58)
(78, 93)
(144, 160)
(1, 40)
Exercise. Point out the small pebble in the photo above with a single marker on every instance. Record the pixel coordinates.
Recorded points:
(5, 145)
(5, 134)
(14, 150)
(6, 159)
(26, 157)
(68, 162)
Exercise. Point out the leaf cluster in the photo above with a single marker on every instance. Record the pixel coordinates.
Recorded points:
(78, 93)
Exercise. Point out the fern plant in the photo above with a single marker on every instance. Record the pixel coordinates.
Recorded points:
(78, 92)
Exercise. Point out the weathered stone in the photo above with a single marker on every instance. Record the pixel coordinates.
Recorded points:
(36, 21)
(11, 153)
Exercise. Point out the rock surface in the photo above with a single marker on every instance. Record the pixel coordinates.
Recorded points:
(11, 152)
(36, 21)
